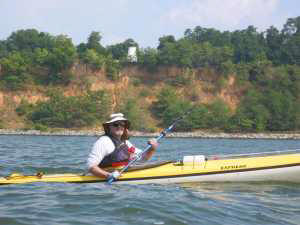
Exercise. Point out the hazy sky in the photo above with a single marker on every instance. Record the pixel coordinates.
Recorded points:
(145, 21)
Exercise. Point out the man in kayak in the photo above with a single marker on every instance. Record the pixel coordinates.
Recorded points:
(113, 149)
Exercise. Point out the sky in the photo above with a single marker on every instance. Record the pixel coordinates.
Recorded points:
(145, 21)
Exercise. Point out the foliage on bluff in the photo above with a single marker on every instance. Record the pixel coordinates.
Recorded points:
(266, 63)
(67, 112)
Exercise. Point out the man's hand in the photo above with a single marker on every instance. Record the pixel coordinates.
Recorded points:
(114, 175)
(153, 143)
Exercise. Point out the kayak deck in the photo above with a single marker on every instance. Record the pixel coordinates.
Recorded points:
(284, 166)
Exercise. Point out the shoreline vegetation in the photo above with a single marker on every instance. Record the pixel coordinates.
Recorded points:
(196, 134)
(244, 81)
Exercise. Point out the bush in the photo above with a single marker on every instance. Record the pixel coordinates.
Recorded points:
(252, 114)
(169, 107)
(113, 68)
(13, 83)
(144, 93)
(180, 81)
(91, 57)
(148, 58)
(67, 112)
(135, 114)
(60, 78)
(136, 81)
(199, 117)
(24, 108)
(40, 127)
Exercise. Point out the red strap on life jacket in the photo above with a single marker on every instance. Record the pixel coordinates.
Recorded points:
(131, 149)
(118, 164)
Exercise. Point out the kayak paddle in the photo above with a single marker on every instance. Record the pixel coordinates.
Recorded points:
(161, 135)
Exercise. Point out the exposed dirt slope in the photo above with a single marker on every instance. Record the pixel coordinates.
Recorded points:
(203, 86)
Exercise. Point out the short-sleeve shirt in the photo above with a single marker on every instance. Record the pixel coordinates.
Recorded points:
(103, 147)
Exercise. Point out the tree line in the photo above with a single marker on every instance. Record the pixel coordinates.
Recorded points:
(267, 63)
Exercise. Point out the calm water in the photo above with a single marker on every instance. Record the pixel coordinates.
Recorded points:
(227, 203)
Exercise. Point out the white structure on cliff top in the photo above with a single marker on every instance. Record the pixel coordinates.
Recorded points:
(132, 57)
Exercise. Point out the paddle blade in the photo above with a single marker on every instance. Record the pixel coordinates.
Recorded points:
(110, 180)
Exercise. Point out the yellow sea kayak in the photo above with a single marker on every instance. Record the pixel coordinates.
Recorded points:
(280, 166)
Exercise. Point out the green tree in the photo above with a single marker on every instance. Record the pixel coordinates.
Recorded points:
(214, 37)
(274, 45)
(81, 49)
(15, 67)
(199, 117)
(3, 49)
(40, 56)
(205, 54)
(28, 40)
(72, 111)
(164, 40)
(283, 47)
(219, 114)
(185, 55)
(248, 45)
(281, 106)
(291, 47)
(14, 64)
(168, 55)
(292, 26)
(293, 81)
(169, 106)
(63, 54)
(202, 54)
(113, 68)
(135, 114)
(252, 114)
(148, 58)
(166, 97)
(120, 51)
(94, 42)
(95, 60)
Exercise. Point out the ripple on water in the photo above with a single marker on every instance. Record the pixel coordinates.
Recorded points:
(50, 203)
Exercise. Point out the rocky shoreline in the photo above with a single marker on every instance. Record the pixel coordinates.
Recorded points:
(197, 134)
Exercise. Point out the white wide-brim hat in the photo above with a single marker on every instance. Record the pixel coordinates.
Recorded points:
(117, 117)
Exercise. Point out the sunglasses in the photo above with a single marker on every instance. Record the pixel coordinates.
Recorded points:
(118, 125)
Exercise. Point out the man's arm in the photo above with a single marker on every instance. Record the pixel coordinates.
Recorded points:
(97, 171)
(101, 148)
(151, 151)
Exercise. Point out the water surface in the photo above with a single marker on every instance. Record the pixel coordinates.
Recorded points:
(58, 203)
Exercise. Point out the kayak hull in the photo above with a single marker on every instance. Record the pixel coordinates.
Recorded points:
(277, 167)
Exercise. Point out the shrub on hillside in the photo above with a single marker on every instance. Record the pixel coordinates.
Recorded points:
(13, 83)
(113, 68)
(170, 106)
(136, 115)
(68, 112)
